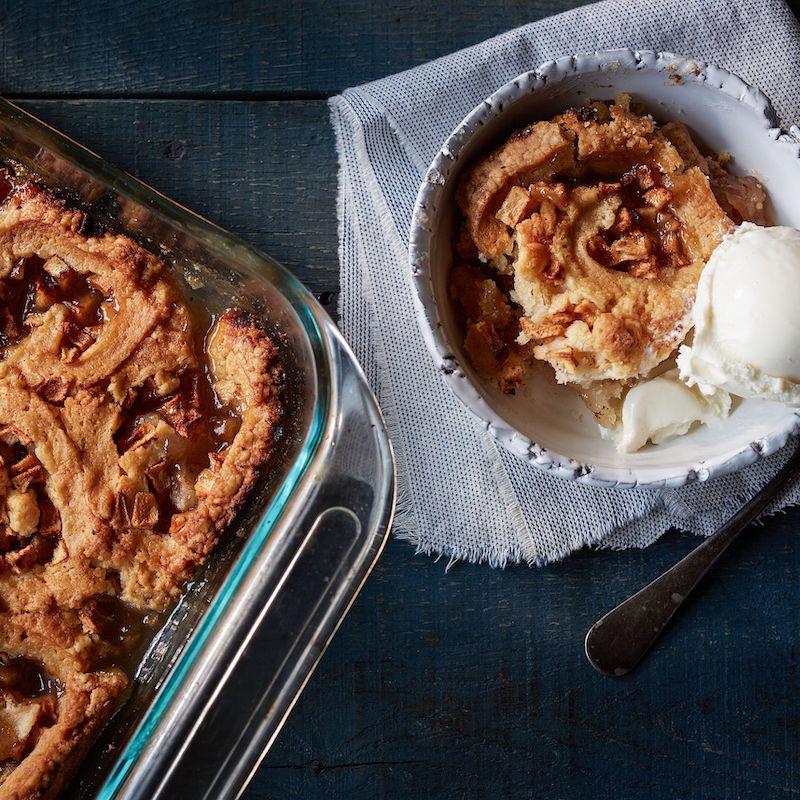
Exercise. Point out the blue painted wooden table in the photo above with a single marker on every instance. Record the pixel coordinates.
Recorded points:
(461, 684)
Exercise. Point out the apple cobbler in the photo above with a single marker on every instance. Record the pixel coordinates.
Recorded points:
(129, 436)
(582, 242)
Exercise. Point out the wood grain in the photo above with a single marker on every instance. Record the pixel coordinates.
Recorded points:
(264, 170)
(216, 49)
(466, 683)
(472, 683)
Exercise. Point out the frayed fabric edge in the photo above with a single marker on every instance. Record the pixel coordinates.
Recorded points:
(596, 542)
(404, 515)
(525, 548)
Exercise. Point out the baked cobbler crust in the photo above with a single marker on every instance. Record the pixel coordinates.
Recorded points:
(126, 448)
(84, 705)
(582, 243)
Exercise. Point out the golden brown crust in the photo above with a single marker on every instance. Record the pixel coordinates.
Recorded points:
(32, 224)
(535, 153)
(593, 229)
(116, 475)
(247, 377)
(87, 702)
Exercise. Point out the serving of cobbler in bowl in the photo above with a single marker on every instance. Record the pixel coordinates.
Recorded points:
(557, 246)
(131, 430)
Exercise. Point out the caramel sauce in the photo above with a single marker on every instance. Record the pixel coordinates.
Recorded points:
(84, 301)
(202, 425)
(25, 677)
(127, 631)
(659, 225)
(16, 303)
(12, 452)
(185, 455)
(32, 289)
(6, 185)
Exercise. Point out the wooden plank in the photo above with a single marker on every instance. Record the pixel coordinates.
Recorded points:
(473, 683)
(462, 684)
(264, 170)
(185, 48)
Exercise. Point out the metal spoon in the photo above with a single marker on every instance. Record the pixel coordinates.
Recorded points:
(616, 643)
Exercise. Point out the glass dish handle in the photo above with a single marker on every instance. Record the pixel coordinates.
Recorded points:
(237, 694)
(274, 652)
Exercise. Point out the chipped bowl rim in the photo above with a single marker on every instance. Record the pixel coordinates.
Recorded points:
(425, 210)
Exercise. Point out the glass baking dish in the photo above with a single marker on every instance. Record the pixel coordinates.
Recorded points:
(227, 664)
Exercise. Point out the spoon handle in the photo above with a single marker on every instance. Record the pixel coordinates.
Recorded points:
(616, 643)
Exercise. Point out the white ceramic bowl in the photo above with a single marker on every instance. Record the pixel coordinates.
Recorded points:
(548, 425)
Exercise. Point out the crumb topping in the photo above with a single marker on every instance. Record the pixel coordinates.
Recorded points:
(582, 242)
(125, 451)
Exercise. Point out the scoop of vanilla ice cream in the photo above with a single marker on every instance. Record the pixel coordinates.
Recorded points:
(747, 317)
(660, 408)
